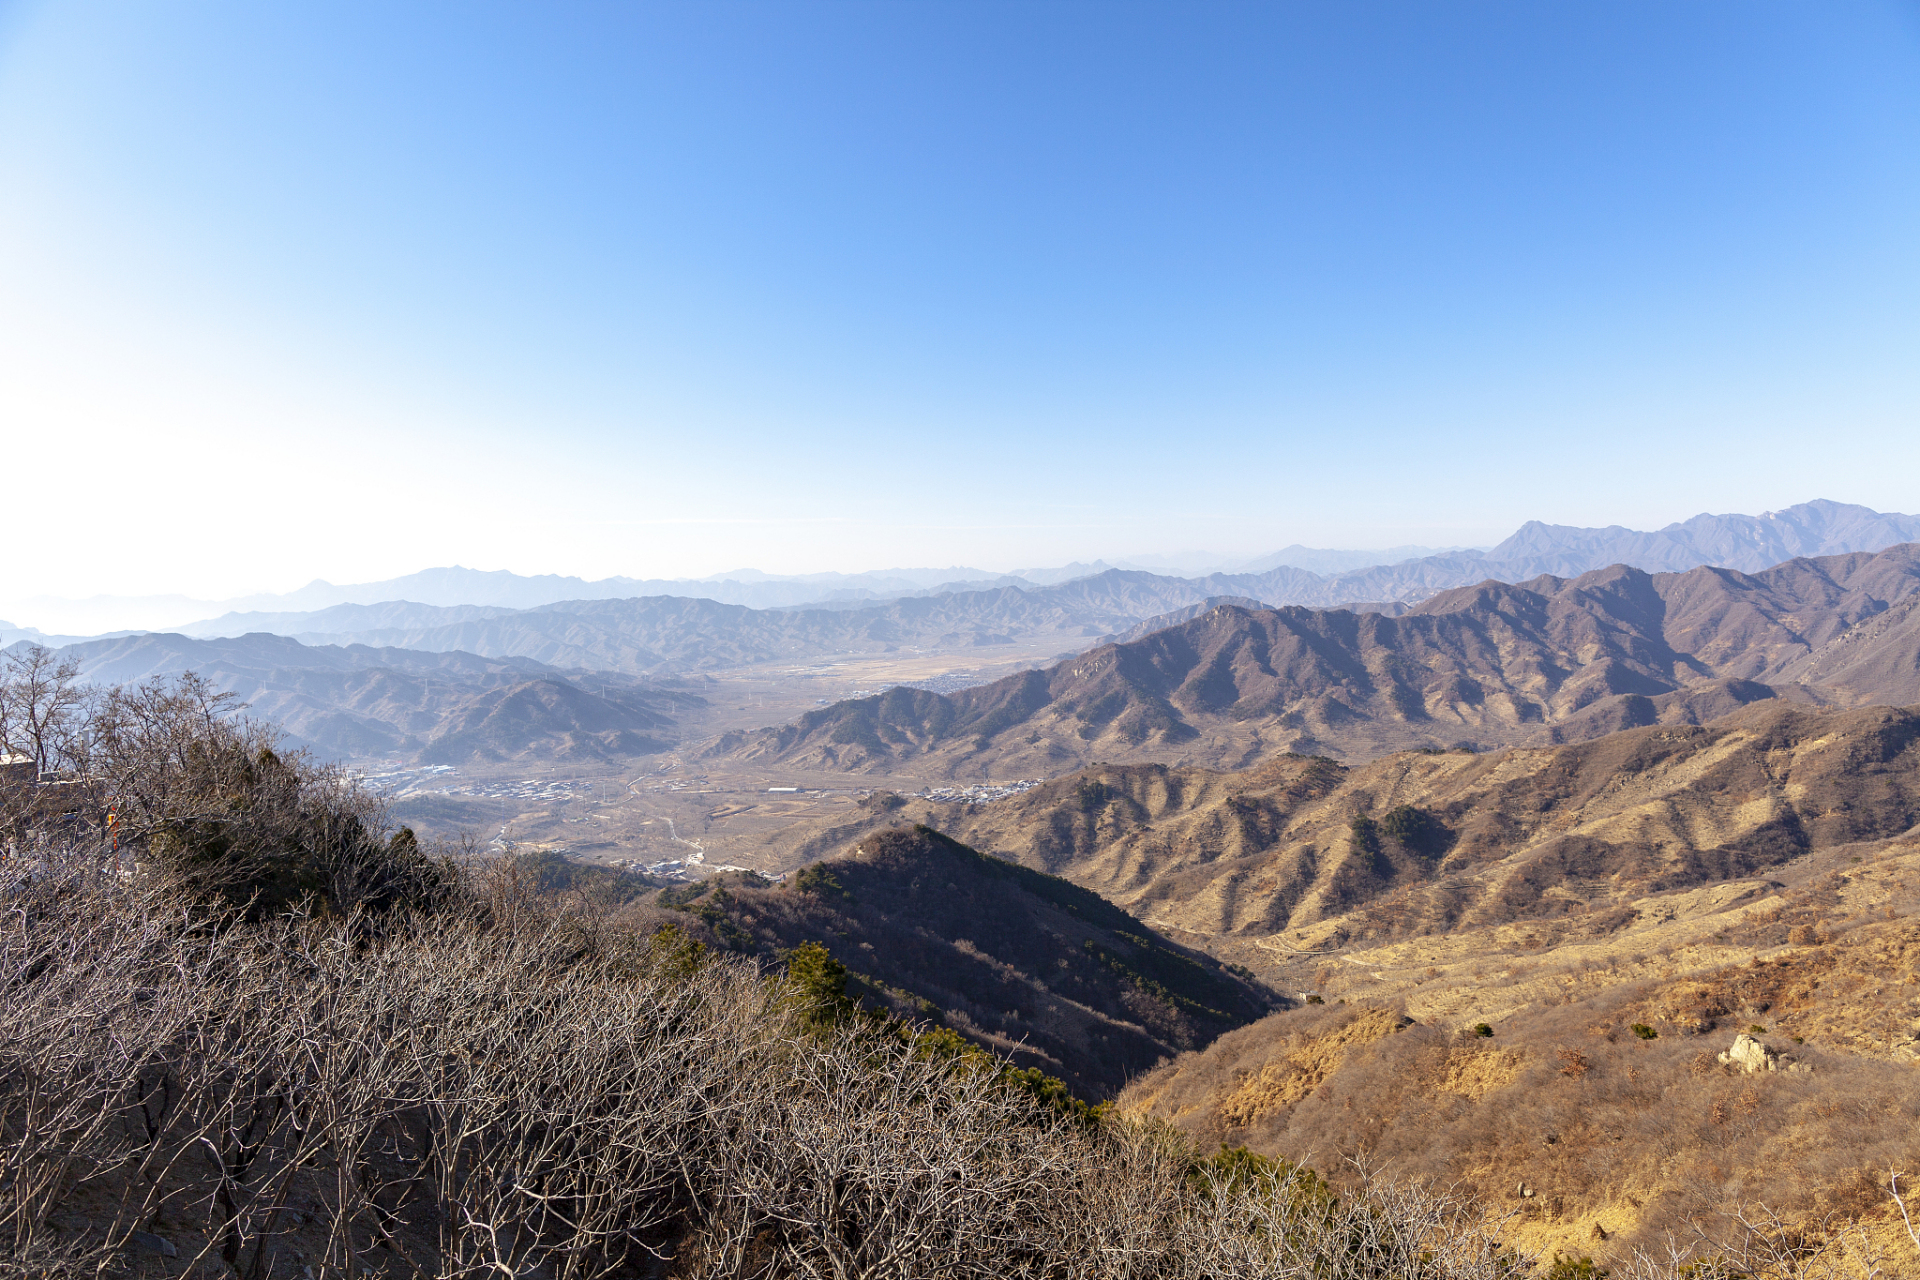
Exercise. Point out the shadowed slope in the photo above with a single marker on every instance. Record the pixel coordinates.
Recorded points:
(1020, 961)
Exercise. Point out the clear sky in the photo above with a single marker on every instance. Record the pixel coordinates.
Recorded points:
(349, 289)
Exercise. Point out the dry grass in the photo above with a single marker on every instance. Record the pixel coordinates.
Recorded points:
(1591, 1135)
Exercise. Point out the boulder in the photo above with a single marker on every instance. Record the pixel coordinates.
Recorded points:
(1750, 1055)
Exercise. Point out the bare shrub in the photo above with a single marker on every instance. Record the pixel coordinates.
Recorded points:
(464, 1097)
(226, 811)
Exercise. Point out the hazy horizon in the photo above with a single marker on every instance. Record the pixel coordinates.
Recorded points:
(1806, 529)
(105, 611)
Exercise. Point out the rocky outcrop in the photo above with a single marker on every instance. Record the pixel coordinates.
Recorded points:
(1750, 1055)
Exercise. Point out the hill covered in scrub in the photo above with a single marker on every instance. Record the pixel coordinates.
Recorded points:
(1021, 962)
(1549, 660)
(253, 1026)
(394, 1064)
(1587, 1083)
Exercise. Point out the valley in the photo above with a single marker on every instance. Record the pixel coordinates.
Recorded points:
(616, 810)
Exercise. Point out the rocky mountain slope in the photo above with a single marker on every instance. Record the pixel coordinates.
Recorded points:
(1015, 959)
(447, 708)
(1517, 971)
(1302, 853)
(1547, 660)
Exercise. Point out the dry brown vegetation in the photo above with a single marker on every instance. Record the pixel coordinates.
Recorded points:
(270, 1035)
(510, 1090)
(1597, 1085)
(1602, 1137)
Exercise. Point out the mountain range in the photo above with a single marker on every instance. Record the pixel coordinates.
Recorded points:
(1520, 972)
(1519, 839)
(1214, 682)
(1750, 543)
(1550, 659)
(649, 634)
(1203, 670)
(1421, 843)
(1425, 842)
(652, 635)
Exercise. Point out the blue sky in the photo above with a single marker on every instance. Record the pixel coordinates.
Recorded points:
(346, 290)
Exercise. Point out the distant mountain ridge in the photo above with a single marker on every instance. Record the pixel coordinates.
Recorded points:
(456, 586)
(1106, 599)
(653, 635)
(1748, 543)
(443, 708)
(1551, 659)
(1328, 562)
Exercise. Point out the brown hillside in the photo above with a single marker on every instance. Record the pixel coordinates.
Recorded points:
(1543, 661)
(1572, 833)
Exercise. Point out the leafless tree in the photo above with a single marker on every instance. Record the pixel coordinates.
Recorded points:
(41, 705)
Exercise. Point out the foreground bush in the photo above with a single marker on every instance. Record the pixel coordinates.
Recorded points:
(503, 1090)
